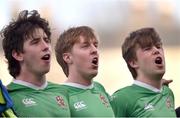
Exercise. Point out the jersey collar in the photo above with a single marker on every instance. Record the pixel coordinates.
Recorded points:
(147, 86)
(79, 85)
(21, 82)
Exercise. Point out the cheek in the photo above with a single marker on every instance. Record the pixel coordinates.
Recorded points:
(31, 56)
(147, 60)
(143, 60)
(81, 59)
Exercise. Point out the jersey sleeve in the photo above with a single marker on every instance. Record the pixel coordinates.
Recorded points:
(119, 105)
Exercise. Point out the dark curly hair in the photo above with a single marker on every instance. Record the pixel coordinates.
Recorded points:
(15, 34)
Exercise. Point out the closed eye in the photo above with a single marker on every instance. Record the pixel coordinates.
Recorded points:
(85, 45)
(158, 46)
(96, 44)
(146, 48)
(35, 40)
(47, 40)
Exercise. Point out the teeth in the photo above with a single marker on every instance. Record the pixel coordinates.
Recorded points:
(95, 60)
(46, 57)
(158, 60)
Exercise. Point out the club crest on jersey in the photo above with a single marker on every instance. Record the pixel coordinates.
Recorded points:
(61, 102)
(168, 103)
(104, 100)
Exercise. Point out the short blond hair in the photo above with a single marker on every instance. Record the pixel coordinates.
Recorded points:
(66, 41)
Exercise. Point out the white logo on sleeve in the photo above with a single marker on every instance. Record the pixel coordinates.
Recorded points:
(80, 105)
(149, 107)
(28, 102)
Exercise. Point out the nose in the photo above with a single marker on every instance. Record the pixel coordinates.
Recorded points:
(45, 45)
(94, 49)
(155, 50)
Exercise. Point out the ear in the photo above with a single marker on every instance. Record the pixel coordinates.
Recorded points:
(133, 63)
(17, 55)
(67, 58)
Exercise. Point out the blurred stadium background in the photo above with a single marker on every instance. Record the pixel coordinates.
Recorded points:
(112, 20)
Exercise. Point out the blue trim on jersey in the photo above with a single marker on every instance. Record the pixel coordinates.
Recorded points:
(7, 98)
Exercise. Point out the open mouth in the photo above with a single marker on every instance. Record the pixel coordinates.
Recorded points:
(46, 57)
(95, 61)
(158, 60)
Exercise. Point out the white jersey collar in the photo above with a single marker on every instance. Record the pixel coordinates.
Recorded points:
(27, 84)
(79, 85)
(147, 86)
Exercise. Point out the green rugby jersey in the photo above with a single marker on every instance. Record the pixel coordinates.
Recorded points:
(30, 101)
(91, 101)
(142, 100)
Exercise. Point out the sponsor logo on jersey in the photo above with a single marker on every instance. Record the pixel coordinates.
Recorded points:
(168, 103)
(80, 105)
(28, 102)
(104, 100)
(61, 102)
(149, 106)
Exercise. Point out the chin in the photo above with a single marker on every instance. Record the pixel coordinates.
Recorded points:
(92, 75)
(160, 75)
(45, 71)
(162, 72)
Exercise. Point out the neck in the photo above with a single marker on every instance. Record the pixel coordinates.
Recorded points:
(34, 79)
(79, 79)
(154, 81)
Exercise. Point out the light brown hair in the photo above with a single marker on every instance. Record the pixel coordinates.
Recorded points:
(143, 37)
(67, 40)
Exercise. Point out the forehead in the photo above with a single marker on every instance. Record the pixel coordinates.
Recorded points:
(147, 41)
(83, 39)
(36, 33)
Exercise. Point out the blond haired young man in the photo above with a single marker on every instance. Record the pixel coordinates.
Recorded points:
(77, 53)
